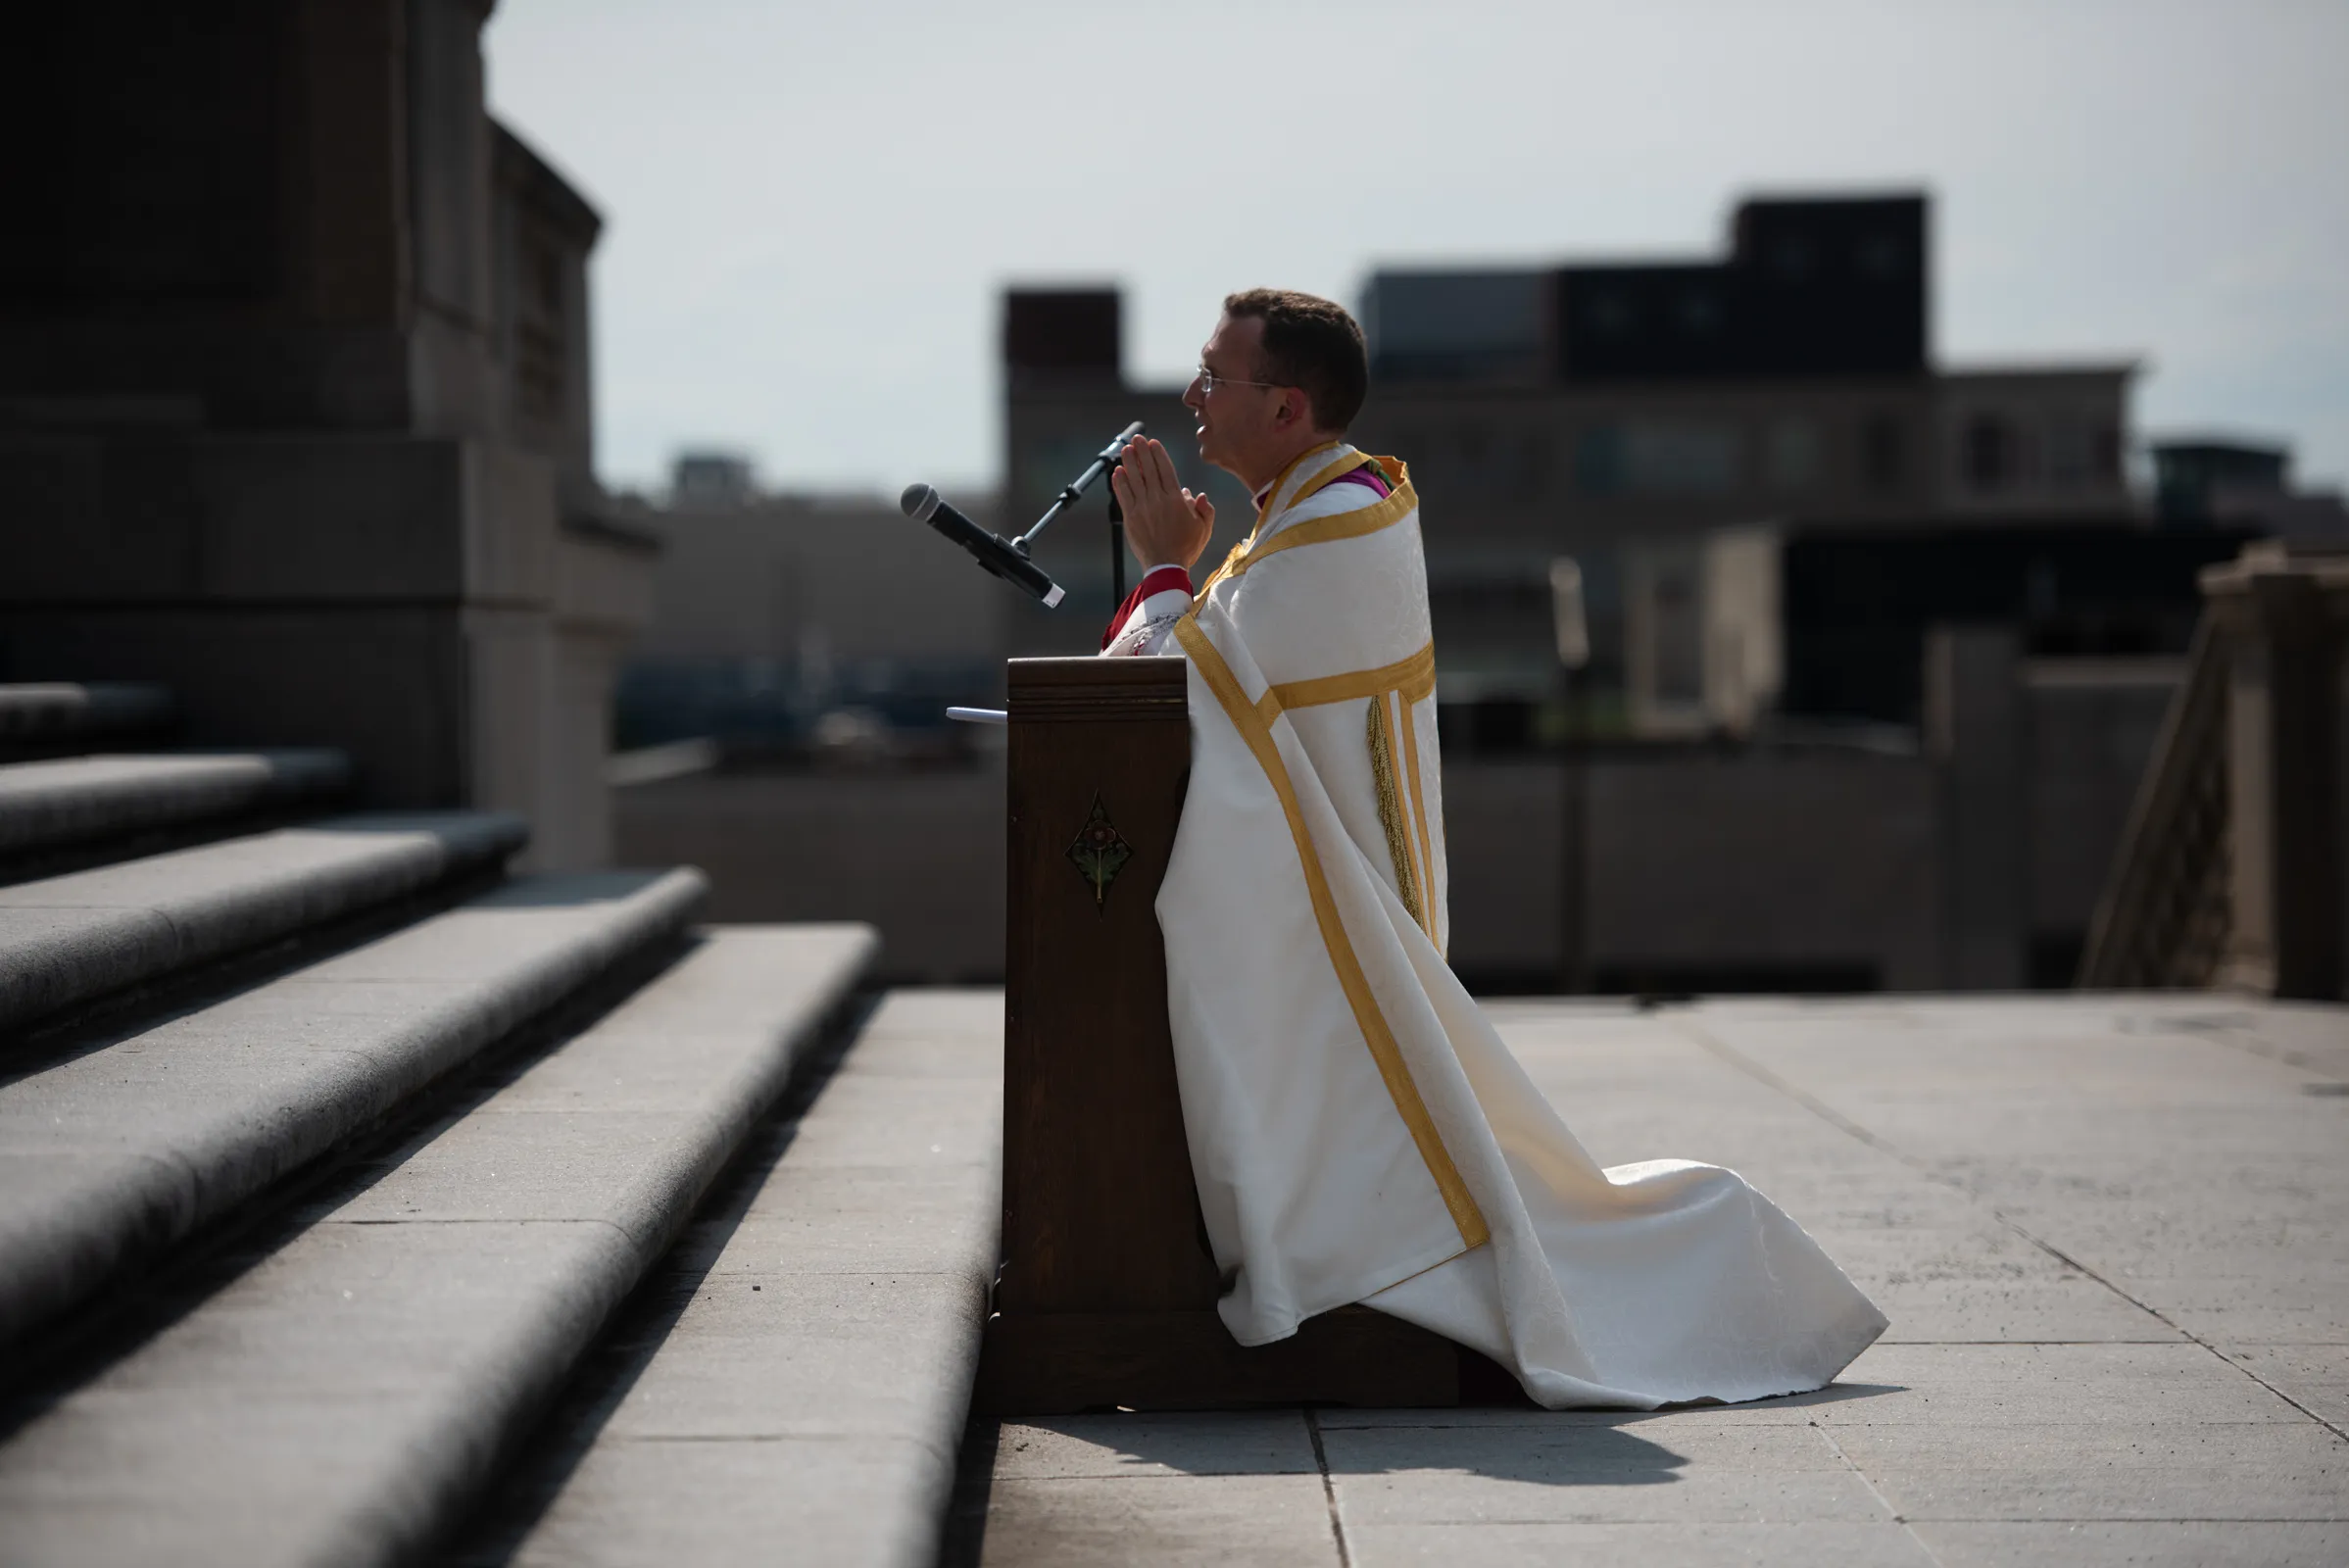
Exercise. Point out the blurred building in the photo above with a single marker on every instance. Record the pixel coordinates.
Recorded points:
(1883, 646)
(786, 716)
(295, 402)
(1608, 412)
(770, 612)
(1787, 629)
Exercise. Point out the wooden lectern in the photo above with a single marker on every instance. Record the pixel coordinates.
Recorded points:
(1106, 1291)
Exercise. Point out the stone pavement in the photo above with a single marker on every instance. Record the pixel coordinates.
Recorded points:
(2111, 1235)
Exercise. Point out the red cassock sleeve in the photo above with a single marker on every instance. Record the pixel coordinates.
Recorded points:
(1158, 580)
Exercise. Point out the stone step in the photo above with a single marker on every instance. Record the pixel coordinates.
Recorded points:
(343, 1399)
(42, 717)
(69, 940)
(79, 800)
(112, 1154)
(799, 1371)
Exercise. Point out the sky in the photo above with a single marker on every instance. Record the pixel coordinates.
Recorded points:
(812, 212)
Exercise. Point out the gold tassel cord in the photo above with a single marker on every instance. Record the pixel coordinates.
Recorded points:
(1391, 808)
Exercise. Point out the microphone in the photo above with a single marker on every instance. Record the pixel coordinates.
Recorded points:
(997, 554)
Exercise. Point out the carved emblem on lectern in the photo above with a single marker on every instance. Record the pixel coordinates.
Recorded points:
(1099, 850)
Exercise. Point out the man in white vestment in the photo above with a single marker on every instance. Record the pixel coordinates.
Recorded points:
(1358, 1130)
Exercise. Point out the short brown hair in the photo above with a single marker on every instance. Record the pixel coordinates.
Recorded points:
(1311, 344)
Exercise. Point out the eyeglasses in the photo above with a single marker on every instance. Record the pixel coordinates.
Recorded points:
(1208, 381)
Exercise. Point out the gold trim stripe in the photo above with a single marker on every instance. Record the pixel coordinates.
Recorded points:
(1209, 662)
(1220, 575)
(1318, 531)
(1328, 530)
(1233, 558)
(1272, 493)
(1412, 680)
(1415, 676)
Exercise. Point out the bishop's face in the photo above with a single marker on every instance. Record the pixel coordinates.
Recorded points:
(1241, 428)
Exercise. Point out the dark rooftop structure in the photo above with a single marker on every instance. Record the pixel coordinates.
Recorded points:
(1858, 600)
(1826, 286)
(1062, 334)
(2186, 473)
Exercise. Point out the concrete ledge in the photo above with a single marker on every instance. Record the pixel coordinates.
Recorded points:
(341, 1400)
(66, 940)
(76, 800)
(110, 1156)
(810, 1395)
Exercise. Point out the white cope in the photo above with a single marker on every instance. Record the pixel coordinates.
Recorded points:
(1358, 1130)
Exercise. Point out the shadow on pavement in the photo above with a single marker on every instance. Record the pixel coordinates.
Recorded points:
(1543, 1447)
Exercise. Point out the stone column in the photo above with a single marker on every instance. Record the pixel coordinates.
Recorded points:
(603, 602)
(295, 404)
(2280, 620)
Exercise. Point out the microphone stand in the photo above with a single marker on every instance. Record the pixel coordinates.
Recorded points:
(1074, 491)
(1117, 552)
